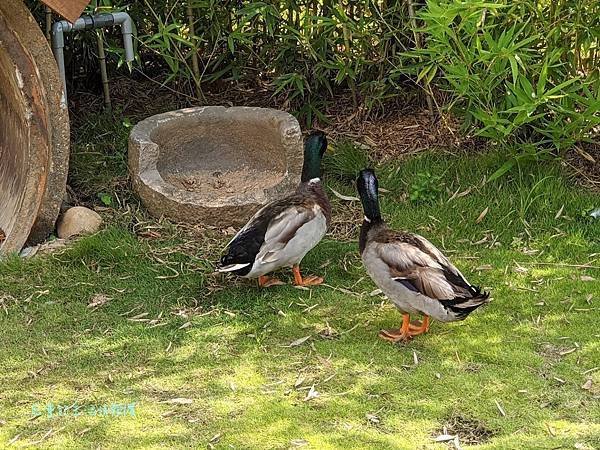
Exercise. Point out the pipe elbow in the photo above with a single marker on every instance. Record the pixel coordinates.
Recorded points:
(58, 29)
(123, 19)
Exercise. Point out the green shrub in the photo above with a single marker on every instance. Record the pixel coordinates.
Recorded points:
(520, 71)
(425, 187)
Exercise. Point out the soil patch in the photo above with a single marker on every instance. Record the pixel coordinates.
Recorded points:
(584, 162)
(402, 128)
(470, 431)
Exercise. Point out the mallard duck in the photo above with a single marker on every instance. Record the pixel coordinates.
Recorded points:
(411, 271)
(284, 231)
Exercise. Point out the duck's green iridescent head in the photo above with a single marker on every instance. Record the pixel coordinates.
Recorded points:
(314, 148)
(368, 190)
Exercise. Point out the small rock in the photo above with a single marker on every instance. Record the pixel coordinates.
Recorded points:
(78, 221)
(29, 252)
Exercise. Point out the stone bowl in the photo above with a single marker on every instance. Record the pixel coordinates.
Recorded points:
(214, 165)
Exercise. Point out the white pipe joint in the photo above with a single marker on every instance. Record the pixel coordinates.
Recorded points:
(86, 23)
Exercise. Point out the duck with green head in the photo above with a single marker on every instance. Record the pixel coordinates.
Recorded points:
(284, 231)
(411, 271)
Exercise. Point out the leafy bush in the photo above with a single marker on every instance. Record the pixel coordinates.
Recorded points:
(304, 50)
(520, 71)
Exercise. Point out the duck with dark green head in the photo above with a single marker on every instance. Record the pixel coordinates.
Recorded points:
(411, 271)
(284, 231)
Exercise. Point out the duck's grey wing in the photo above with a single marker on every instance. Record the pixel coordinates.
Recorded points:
(282, 229)
(421, 267)
(243, 248)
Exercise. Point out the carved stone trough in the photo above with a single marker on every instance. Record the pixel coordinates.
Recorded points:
(214, 165)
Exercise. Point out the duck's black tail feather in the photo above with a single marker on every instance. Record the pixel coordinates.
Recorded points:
(461, 307)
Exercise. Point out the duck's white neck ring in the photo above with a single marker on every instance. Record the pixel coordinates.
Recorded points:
(367, 219)
(314, 180)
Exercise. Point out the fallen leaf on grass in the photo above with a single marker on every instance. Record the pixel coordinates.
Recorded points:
(300, 341)
(500, 409)
(138, 316)
(559, 212)
(178, 401)
(444, 438)
(312, 394)
(587, 385)
(585, 154)
(459, 194)
(299, 381)
(98, 300)
(298, 442)
(566, 352)
(373, 418)
(149, 234)
(587, 278)
(482, 215)
(347, 198)
(485, 267)
(520, 269)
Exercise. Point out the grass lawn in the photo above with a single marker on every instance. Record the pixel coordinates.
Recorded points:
(217, 362)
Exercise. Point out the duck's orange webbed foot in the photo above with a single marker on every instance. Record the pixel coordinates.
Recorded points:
(306, 281)
(266, 281)
(402, 334)
(419, 327)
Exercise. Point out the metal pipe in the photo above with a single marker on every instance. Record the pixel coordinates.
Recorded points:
(86, 23)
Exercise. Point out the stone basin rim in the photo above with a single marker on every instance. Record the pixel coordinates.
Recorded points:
(143, 133)
(148, 147)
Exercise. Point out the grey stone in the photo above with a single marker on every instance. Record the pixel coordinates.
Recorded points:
(214, 165)
(78, 221)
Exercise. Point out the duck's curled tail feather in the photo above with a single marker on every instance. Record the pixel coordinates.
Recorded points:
(461, 307)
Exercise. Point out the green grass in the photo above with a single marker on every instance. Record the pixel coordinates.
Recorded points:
(225, 344)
